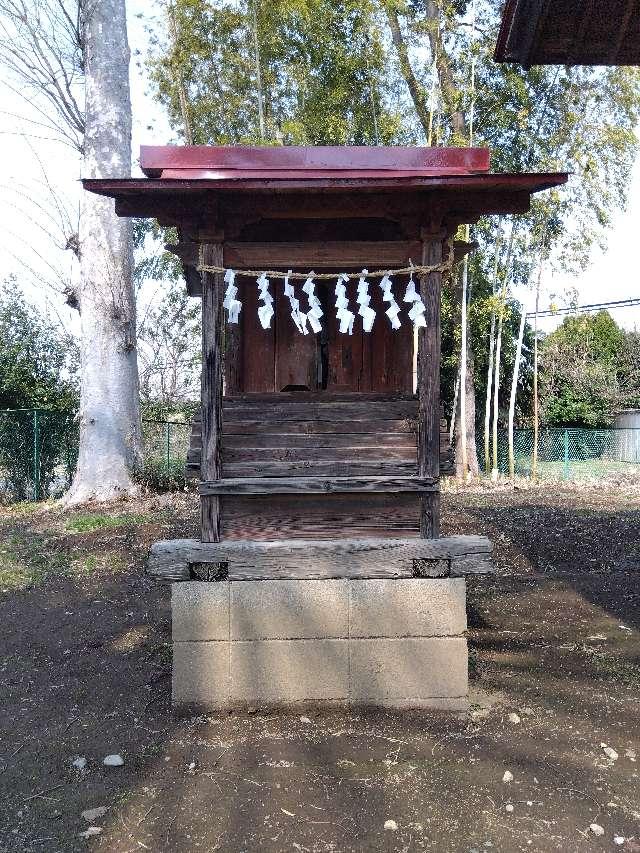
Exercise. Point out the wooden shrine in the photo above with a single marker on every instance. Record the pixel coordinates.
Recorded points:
(320, 454)
(317, 435)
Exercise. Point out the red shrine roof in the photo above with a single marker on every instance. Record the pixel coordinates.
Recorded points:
(182, 180)
(208, 162)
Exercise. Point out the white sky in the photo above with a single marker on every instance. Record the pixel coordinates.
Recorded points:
(24, 242)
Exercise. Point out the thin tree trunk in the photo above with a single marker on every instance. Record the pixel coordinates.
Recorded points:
(466, 391)
(487, 404)
(109, 399)
(496, 389)
(463, 368)
(492, 332)
(536, 425)
(182, 94)
(498, 349)
(470, 413)
(514, 391)
(256, 54)
(451, 94)
(416, 92)
(454, 408)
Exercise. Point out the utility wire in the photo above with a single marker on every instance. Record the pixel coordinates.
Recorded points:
(596, 306)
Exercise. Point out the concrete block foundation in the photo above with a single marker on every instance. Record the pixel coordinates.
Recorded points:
(375, 642)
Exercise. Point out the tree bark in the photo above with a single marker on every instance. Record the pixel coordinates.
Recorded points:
(450, 92)
(109, 400)
(418, 97)
(467, 462)
(514, 391)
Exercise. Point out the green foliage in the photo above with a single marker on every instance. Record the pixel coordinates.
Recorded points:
(37, 371)
(581, 380)
(322, 69)
(37, 361)
(156, 476)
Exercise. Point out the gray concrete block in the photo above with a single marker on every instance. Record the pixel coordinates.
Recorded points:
(289, 671)
(199, 611)
(200, 675)
(406, 669)
(408, 607)
(289, 609)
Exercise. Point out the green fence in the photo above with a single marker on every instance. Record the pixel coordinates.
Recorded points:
(39, 449)
(570, 454)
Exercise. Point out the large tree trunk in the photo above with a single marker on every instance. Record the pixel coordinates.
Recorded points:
(109, 400)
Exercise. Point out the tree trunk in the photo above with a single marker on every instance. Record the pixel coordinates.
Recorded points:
(536, 413)
(514, 391)
(109, 398)
(416, 91)
(466, 408)
(470, 414)
(487, 402)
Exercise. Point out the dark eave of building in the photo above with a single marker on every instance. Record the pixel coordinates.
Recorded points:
(570, 32)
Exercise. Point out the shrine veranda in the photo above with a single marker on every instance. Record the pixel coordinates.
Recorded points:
(320, 575)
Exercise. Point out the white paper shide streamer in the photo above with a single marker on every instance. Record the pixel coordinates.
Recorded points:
(363, 298)
(265, 311)
(233, 305)
(343, 315)
(315, 309)
(387, 296)
(416, 312)
(299, 317)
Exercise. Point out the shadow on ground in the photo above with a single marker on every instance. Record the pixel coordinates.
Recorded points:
(85, 662)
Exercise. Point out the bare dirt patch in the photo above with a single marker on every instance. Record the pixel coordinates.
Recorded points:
(555, 639)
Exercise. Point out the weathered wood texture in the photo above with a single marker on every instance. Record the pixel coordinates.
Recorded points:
(319, 254)
(212, 331)
(315, 485)
(332, 516)
(311, 558)
(429, 384)
(330, 435)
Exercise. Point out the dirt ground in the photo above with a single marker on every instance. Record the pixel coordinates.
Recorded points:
(85, 667)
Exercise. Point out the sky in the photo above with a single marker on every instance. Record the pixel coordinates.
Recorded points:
(27, 207)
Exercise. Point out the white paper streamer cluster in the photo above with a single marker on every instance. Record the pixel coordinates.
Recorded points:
(416, 312)
(315, 309)
(343, 315)
(265, 311)
(233, 305)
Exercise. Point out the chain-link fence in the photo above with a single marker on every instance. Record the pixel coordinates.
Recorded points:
(39, 449)
(570, 454)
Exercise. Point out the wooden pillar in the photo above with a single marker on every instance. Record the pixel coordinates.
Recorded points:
(212, 335)
(429, 385)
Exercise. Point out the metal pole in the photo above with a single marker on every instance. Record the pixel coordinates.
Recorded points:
(167, 434)
(36, 456)
(566, 454)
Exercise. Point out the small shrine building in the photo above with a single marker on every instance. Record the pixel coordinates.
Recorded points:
(320, 574)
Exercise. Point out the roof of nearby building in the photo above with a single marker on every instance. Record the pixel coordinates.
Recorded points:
(570, 32)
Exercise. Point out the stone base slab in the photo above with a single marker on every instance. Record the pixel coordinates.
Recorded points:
(380, 642)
